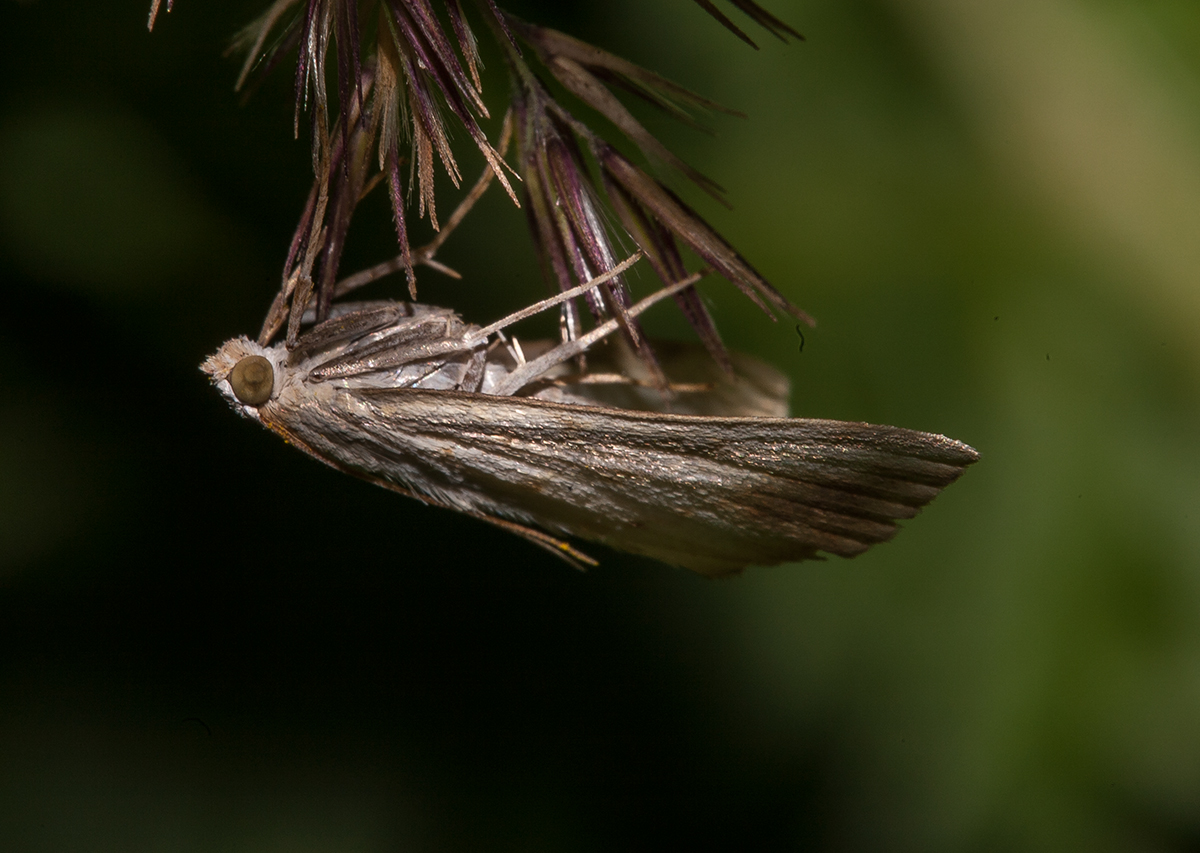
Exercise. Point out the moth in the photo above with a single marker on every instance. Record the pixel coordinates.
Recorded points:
(710, 475)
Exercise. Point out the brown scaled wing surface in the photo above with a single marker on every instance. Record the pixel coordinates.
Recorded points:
(711, 494)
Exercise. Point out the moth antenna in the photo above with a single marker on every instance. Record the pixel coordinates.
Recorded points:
(566, 552)
(518, 353)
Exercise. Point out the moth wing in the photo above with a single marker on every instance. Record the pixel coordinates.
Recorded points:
(711, 494)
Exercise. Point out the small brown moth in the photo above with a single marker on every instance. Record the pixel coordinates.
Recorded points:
(712, 476)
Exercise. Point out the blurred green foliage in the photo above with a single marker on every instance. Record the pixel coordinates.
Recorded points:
(209, 643)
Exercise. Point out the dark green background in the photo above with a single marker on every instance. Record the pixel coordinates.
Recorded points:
(211, 643)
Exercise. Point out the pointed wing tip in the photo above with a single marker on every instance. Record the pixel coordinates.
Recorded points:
(957, 453)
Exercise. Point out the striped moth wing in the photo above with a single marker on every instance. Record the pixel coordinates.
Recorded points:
(711, 494)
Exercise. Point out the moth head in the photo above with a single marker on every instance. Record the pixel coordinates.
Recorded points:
(245, 373)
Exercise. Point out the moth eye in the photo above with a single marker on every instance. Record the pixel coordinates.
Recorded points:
(252, 379)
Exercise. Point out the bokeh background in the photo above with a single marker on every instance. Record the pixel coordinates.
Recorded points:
(210, 643)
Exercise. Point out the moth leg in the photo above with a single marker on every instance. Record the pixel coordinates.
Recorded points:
(479, 335)
(526, 373)
(472, 379)
(516, 352)
(422, 340)
(415, 380)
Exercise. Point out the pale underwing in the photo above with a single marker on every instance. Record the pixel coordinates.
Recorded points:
(712, 476)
